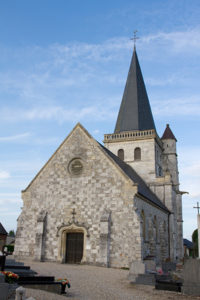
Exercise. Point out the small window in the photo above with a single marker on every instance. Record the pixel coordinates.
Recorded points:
(155, 228)
(143, 225)
(137, 154)
(121, 154)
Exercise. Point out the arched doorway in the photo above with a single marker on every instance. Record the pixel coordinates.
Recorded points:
(74, 247)
(72, 243)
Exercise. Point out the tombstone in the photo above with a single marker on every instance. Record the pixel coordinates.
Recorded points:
(136, 268)
(191, 277)
(2, 260)
(3, 287)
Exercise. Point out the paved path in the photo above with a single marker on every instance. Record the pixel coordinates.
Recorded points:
(96, 283)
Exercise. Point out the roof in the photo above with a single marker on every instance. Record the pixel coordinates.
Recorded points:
(2, 230)
(143, 189)
(168, 134)
(135, 111)
(187, 243)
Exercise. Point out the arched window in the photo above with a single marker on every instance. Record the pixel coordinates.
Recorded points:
(121, 154)
(137, 154)
(155, 228)
(143, 225)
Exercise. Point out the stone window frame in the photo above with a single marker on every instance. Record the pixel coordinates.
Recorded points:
(62, 234)
(137, 153)
(155, 224)
(70, 165)
(120, 153)
(143, 221)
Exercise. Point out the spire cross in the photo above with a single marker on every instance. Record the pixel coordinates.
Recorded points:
(134, 38)
(198, 207)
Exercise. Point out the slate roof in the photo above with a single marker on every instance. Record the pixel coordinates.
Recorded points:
(2, 230)
(135, 111)
(168, 134)
(188, 244)
(143, 189)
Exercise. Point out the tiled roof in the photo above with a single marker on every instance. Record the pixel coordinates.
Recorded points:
(135, 111)
(143, 189)
(2, 230)
(188, 243)
(168, 134)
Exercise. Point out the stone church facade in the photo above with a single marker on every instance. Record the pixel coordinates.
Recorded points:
(107, 205)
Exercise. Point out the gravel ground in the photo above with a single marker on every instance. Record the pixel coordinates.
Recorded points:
(96, 283)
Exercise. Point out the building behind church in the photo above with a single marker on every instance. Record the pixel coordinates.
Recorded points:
(107, 205)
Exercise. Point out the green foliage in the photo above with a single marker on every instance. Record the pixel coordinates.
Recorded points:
(195, 242)
(10, 248)
(11, 233)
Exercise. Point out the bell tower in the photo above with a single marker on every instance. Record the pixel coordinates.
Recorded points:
(135, 139)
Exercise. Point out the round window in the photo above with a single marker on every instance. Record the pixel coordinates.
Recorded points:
(75, 166)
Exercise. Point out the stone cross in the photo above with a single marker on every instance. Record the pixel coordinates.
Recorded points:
(135, 38)
(198, 207)
(73, 215)
(198, 225)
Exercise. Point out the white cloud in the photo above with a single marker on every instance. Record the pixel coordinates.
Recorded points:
(4, 174)
(57, 113)
(9, 201)
(189, 106)
(177, 41)
(14, 137)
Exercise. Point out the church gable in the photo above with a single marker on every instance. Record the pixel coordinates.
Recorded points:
(79, 186)
(71, 157)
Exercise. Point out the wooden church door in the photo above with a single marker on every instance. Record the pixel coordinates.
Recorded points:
(74, 247)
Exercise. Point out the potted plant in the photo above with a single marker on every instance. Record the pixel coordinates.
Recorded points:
(64, 282)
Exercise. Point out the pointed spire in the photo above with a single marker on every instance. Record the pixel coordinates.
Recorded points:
(135, 111)
(168, 134)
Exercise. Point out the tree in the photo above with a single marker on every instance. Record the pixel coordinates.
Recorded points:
(195, 242)
(11, 233)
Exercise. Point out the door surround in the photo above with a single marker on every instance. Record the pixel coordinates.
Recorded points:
(62, 241)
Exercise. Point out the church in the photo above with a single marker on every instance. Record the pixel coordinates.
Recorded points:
(108, 204)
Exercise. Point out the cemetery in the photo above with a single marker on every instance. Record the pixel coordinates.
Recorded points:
(181, 281)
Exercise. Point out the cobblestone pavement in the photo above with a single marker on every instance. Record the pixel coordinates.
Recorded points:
(96, 283)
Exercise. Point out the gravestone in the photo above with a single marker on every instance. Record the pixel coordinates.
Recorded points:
(3, 288)
(191, 277)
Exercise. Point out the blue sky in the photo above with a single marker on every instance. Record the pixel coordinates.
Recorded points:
(63, 62)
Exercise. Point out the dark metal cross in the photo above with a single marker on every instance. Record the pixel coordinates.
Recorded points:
(135, 37)
(73, 214)
(198, 207)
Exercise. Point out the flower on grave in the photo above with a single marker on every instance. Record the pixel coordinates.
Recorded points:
(64, 281)
(10, 277)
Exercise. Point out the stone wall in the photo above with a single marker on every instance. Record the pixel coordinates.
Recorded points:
(146, 167)
(155, 237)
(56, 191)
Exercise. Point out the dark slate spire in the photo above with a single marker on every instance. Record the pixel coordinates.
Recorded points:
(168, 134)
(135, 111)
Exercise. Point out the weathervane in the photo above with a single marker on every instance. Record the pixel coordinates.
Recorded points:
(198, 207)
(135, 37)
